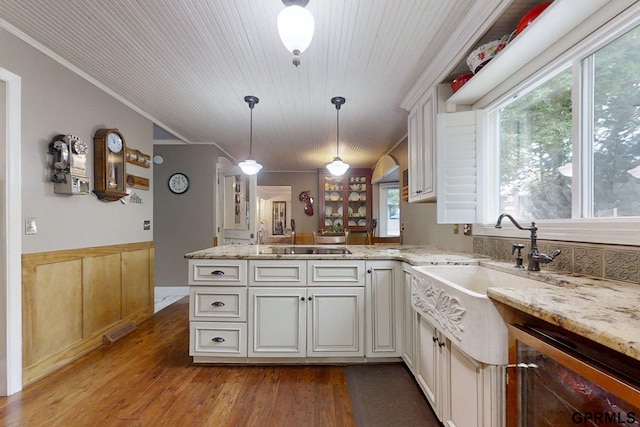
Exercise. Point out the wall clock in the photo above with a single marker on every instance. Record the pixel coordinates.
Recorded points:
(109, 165)
(178, 183)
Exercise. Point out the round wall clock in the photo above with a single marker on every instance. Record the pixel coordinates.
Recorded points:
(178, 183)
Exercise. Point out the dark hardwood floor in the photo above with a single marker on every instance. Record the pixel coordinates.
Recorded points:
(147, 379)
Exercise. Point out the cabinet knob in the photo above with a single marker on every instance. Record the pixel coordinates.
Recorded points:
(434, 339)
(369, 271)
(217, 304)
(217, 339)
(301, 298)
(217, 273)
(310, 298)
(441, 344)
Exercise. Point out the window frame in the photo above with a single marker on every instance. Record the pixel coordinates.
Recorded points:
(578, 229)
(383, 225)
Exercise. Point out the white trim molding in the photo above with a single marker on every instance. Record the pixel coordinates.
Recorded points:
(11, 349)
(614, 231)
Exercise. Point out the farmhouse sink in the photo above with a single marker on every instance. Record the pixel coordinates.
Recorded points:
(453, 298)
(475, 279)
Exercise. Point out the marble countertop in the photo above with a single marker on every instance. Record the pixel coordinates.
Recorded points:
(414, 255)
(604, 311)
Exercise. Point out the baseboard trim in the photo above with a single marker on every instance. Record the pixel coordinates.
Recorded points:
(168, 291)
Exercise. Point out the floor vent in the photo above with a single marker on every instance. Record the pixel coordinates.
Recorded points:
(120, 332)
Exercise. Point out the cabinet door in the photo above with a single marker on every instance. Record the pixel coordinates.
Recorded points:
(422, 154)
(277, 322)
(430, 364)
(383, 309)
(335, 322)
(465, 391)
(409, 323)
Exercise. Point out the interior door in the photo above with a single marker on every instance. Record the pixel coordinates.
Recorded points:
(236, 205)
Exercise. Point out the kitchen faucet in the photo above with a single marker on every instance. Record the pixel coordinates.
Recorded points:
(535, 257)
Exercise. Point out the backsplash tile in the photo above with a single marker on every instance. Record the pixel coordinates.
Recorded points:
(621, 265)
(606, 261)
(588, 261)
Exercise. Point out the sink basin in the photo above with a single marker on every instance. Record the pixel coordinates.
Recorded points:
(475, 279)
(453, 298)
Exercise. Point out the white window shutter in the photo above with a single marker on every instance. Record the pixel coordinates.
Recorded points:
(458, 167)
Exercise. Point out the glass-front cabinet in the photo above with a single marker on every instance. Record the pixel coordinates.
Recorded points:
(345, 201)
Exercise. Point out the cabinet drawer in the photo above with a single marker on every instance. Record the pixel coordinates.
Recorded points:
(222, 272)
(277, 273)
(218, 339)
(335, 273)
(218, 303)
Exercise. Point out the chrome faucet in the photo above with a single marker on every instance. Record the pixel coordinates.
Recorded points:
(535, 257)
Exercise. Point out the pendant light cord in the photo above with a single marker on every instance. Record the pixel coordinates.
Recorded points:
(337, 132)
(251, 131)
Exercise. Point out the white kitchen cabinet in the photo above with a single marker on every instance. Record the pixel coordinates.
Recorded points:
(217, 339)
(277, 322)
(431, 363)
(210, 272)
(422, 148)
(409, 321)
(306, 322)
(335, 322)
(462, 391)
(384, 308)
(213, 303)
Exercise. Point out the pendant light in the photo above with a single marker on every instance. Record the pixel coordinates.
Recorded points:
(295, 26)
(337, 167)
(250, 166)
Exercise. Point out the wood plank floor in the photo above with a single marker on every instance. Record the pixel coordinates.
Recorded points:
(147, 379)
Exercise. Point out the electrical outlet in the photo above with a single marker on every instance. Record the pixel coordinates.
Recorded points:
(466, 229)
(30, 226)
(456, 228)
(146, 225)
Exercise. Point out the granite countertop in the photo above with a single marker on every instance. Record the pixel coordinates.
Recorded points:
(605, 311)
(414, 255)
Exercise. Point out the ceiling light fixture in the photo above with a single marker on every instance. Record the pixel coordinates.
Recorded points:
(250, 166)
(295, 26)
(337, 167)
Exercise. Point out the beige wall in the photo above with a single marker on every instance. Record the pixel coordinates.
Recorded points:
(419, 219)
(54, 101)
(183, 222)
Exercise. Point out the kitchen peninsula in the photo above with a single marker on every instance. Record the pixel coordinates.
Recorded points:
(359, 304)
(303, 304)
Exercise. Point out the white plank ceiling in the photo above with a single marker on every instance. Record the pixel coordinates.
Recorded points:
(187, 65)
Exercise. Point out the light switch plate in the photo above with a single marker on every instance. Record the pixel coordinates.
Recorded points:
(30, 226)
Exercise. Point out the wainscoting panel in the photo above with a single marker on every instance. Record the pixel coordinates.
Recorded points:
(71, 298)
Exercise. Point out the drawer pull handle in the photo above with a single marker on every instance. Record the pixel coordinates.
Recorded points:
(217, 304)
(217, 339)
(217, 273)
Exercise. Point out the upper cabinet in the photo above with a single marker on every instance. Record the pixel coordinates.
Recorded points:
(551, 26)
(345, 201)
(422, 148)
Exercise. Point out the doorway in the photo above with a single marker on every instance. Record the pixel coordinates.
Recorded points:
(274, 209)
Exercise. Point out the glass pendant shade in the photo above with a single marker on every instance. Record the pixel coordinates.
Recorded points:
(250, 167)
(296, 26)
(337, 167)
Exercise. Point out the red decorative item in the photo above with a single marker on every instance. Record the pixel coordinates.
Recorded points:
(460, 81)
(530, 16)
(304, 197)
